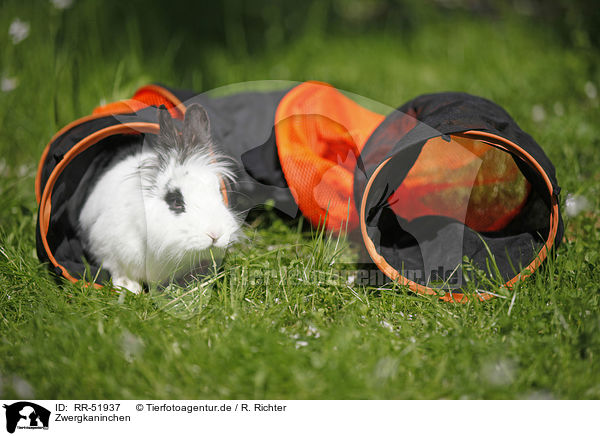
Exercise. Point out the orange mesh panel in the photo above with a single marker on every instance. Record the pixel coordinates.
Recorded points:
(320, 133)
(468, 180)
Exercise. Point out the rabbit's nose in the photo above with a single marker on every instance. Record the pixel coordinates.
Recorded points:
(214, 235)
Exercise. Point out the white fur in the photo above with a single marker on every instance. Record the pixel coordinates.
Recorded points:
(128, 226)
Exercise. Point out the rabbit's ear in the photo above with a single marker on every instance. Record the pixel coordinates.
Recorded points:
(167, 128)
(196, 127)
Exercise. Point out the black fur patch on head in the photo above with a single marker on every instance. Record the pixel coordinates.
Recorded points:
(177, 142)
(182, 142)
(174, 199)
(196, 127)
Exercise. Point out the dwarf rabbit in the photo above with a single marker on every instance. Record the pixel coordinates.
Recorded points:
(154, 215)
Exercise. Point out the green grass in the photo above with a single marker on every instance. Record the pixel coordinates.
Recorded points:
(284, 337)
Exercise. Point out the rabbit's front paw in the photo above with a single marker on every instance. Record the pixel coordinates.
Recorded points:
(127, 284)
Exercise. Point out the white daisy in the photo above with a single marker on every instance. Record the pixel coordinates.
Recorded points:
(18, 30)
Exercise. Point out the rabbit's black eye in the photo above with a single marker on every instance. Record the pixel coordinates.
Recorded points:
(174, 200)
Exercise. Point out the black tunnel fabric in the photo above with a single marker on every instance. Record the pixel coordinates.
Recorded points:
(453, 112)
(242, 126)
(401, 138)
(70, 189)
(69, 194)
(243, 129)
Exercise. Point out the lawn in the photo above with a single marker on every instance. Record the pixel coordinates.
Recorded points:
(247, 335)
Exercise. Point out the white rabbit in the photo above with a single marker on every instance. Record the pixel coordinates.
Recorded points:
(154, 215)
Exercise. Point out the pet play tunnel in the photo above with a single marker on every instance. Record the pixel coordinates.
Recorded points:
(445, 191)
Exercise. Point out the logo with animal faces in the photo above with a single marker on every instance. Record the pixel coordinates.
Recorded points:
(26, 415)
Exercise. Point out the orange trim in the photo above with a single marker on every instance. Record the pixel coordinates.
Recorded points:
(84, 144)
(38, 176)
(554, 216)
(115, 109)
(393, 274)
(224, 191)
